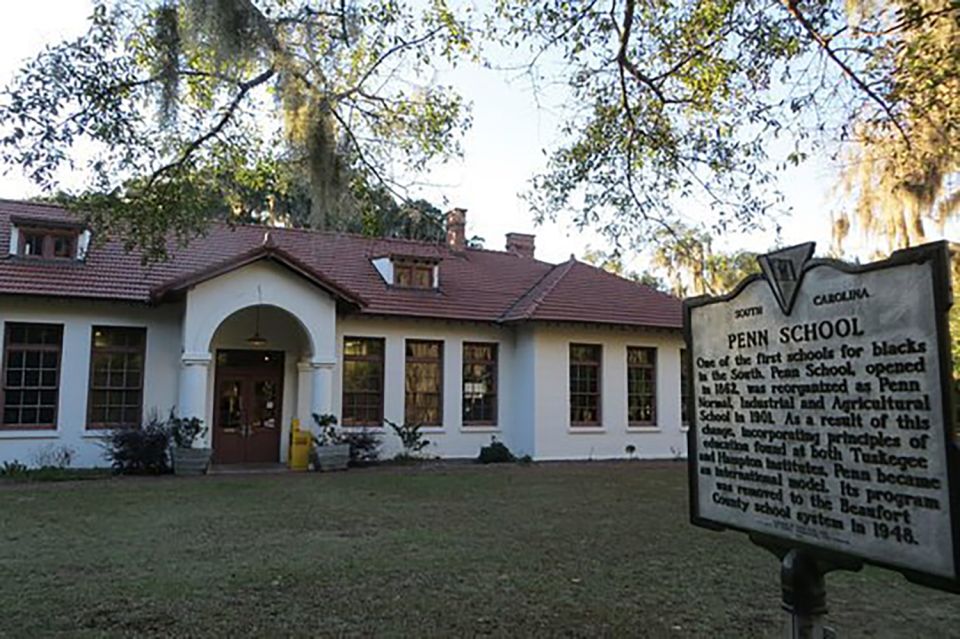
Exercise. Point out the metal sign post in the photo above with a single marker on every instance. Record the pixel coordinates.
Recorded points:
(804, 596)
(822, 422)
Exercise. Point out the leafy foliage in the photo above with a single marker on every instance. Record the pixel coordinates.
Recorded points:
(410, 436)
(693, 267)
(954, 321)
(327, 432)
(899, 169)
(203, 109)
(364, 446)
(185, 430)
(13, 469)
(675, 105)
(495, 453)
(139, 451)
(666, 108)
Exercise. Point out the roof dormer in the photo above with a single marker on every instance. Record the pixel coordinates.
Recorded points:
(48, 239)
(409, 271)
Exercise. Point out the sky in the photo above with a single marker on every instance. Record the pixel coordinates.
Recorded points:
(502, 151)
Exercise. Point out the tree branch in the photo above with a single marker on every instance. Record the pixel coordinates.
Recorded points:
(363, 158)
(624, 61)
(825, 45)
(243, 89)
(395, 49)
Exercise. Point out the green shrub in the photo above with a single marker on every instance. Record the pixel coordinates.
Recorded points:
(139, 451)
(13, 469)
(328, 434)
(364, 446)
(185, 430)
(495, 453)
(411, 438)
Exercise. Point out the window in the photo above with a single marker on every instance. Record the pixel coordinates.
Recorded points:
(116, 377)
(63, 245)
(31, 376)
(684, 387)
(50, 244)
(585, 360)
(32, 244)
(412, 275)
(424, 383)
(479, 384)
(362, 381)
(641, 386)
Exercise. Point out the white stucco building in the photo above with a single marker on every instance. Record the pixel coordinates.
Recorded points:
(249, 328)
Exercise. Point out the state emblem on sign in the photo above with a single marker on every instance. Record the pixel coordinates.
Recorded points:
(784, 271)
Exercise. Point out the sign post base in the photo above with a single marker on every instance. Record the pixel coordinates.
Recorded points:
(804, 589)
(804, 597)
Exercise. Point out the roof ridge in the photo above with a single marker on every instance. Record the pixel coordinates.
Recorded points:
(565, 268)
(482, 249)
(308, 231)
(226, 224)
(439, 244)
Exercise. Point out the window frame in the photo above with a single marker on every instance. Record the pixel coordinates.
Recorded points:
(598, 365)
(407, 360)
(382, 360)
(49, 236)
(494, 363)
(412, 268)
(94, 350)
(43, 348)
(654, 413)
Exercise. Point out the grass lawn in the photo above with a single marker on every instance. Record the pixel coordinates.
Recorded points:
(553, 549)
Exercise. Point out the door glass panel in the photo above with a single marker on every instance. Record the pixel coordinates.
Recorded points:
(265, 404)
(230, 404)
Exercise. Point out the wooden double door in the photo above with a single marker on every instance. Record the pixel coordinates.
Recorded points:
(247, 412)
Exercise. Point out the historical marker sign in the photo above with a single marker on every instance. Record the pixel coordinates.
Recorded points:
(821, 402)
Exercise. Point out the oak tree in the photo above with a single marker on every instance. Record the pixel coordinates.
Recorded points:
(676, 106)
(182, 111)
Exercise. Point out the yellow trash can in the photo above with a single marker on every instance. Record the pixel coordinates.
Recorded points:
(300, 443)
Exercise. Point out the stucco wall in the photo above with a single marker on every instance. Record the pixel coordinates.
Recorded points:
(533, 402)
(296, 317)
(211, 302)
(78, 318)
(524, 392)
(533, 398)
(557, 439)
(451, 439)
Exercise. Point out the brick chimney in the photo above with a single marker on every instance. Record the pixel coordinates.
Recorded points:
(521, 244)
(457, 229)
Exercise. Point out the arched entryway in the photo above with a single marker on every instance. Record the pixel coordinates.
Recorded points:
(255, 354)
(285, 358)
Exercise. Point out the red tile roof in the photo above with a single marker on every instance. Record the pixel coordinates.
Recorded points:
(573, 290)
(475, 284)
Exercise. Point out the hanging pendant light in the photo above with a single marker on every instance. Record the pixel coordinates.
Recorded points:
(257, 340)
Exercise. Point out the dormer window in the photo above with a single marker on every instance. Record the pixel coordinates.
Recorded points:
(412, 275)
(406, 271)
(37, 239)
(49, 244)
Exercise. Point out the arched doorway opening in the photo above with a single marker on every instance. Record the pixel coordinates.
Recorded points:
(255, 352)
